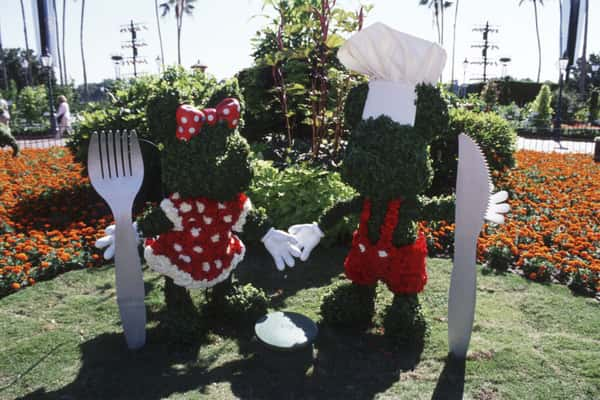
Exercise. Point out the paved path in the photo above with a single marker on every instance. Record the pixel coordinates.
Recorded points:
(550, 146)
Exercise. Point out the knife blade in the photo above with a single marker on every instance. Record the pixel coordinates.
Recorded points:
(472, 193)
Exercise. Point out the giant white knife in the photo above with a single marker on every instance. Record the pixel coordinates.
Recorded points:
(474, 204)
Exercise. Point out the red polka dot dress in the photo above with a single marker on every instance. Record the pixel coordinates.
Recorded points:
(201, 250)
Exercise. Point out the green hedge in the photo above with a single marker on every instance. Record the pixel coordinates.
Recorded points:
(512, 91)
(495, 136)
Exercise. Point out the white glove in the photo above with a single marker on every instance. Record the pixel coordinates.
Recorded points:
(497, 207)
(308, 237)
(282, 247)
(108, 240)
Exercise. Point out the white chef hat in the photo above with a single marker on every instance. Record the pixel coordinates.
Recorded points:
(396, 63)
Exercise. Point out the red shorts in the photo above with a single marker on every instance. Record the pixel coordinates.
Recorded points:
(403, 269)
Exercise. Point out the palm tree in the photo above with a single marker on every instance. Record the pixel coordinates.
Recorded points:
(181, 7)
(28, 73)
(60, 69)
(85, 88)
(583, 72)
(537, 31)
(454, 40)
(162, 53)
(64, 53)
(438, 7)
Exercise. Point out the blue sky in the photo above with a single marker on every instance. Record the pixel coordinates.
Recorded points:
(219, 33)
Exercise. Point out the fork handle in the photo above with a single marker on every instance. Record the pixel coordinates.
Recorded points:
(130, 282)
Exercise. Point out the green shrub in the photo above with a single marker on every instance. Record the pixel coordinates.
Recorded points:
(243, 305)
(346, 305)
(584, 282)
(582, 115)
(538, 269)
(541, 109)
(495, 136)
(30, 106)
(499, 258)
(128, 110)
(489, 94)
(301, 194)
(404, 321)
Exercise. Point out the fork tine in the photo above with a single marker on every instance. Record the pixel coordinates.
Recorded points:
(119, 163)
(94, 167)
(137, 162)
(110, 152)
(104, 155)
(124, 154)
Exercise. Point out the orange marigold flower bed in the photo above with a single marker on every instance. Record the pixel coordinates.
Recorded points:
(555, 217)
(48, 217)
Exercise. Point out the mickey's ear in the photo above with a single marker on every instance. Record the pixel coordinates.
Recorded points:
(355, 103)
(431, 119)
(160, 112)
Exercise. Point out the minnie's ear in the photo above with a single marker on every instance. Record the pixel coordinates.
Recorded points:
(355, 103)
(160, 112)
(431, 119)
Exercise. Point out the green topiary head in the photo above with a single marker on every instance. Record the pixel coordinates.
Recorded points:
(213, 164)
(385, 160)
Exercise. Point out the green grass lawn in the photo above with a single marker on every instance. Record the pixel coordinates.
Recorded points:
(62, 339)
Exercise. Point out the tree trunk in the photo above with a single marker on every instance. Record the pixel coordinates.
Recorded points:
(64, 53)
(58, 49)
(537, 30)
(583, 72)
(28, 73)
(178, 46)
(85, 88)
(160, 41)
(454, 41)
(442, 19)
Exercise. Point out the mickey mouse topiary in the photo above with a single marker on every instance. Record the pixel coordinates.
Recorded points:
(393, 120)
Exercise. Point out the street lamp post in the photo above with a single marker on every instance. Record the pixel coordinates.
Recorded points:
(465, 66)
(199, 67)
(47, 64)
(158, 64)
(562, 64)
(25, 67)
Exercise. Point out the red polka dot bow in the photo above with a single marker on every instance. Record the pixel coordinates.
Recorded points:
(190, 119)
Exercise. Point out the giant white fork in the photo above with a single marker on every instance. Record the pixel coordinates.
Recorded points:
(116, 171)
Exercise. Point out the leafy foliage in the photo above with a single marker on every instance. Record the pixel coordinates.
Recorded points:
(541, 109)
(495, 136)
(299, 81)
(386, 160)
(499, 258)
(240, 305)
(300, 194)
(405, 322)
(346, 304)
(29, 107)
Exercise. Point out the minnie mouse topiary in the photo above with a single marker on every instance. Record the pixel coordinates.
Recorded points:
(191, 236)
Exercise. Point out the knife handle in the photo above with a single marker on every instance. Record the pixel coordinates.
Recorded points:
(462, 295)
